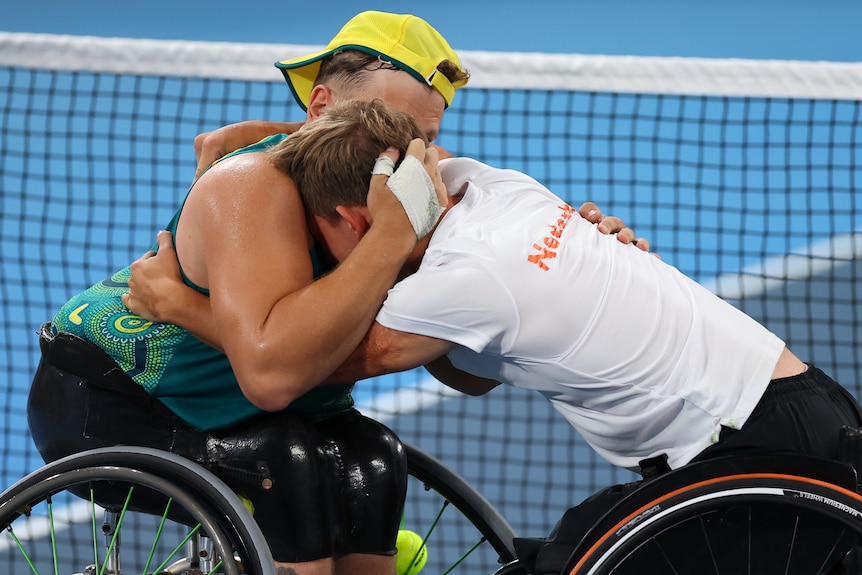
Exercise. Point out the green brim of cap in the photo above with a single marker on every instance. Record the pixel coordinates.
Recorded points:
(301, 73)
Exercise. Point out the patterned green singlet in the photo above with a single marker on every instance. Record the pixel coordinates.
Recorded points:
(193, 379)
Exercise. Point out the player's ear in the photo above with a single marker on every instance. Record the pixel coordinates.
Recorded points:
(321, 98)
(356, 217)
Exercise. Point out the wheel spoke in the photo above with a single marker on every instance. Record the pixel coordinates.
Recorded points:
(95, 530)
(746, 523)
(463, 532)
(146, 515)
(23, 551)
(179, 546)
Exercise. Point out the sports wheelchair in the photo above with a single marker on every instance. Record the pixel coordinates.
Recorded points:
(742, 514)
(138, 510)
(786, 514)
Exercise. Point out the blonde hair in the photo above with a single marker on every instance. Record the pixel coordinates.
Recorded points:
(330, 159)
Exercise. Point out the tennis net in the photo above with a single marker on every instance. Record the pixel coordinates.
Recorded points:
(744, 174)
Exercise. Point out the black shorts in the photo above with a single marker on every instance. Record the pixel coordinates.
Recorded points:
(318, 486)
(799, 414)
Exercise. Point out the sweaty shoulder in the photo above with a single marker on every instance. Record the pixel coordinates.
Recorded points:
(241, 203)
(246, 181)
(255, 166)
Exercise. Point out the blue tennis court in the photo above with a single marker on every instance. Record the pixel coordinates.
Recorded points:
(754, 196)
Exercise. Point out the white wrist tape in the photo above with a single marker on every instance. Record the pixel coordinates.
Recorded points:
(413, 187)
(383, 165)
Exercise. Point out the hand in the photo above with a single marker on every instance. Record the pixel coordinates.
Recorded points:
(420, 196)
(611, 225)
(212, 146)
(154, 282)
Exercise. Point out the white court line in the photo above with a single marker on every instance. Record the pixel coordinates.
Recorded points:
(811, 260)
(404, 401)
(38, 527)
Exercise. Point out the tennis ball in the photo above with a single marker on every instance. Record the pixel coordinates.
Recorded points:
(247, 502)
(409, 545)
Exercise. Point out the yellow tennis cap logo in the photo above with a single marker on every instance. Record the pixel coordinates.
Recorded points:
(406, 41)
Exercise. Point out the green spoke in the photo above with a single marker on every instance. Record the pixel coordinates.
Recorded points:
(116, 534)
(177, 548)
(434, 523)
(93, 521)
(158, 536)
(53, 535)
(133, 508)
(464, 556)
(431, 529)
(23, 551)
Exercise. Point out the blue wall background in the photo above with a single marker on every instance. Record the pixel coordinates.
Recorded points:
(783, 29)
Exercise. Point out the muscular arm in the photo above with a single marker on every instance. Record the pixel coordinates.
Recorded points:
(385, 350)
(283, 332)
(381, 351)
(157, 292)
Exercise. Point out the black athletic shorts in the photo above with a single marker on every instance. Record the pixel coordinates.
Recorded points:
(318, 487)
(800, 414)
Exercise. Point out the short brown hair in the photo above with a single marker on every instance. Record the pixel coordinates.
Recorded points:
(348, 70)
(330, 159)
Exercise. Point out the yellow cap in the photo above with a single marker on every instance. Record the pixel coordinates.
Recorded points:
(405, 40)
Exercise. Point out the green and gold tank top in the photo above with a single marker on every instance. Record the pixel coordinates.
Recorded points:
(191, 378)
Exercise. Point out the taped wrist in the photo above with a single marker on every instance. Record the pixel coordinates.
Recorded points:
(413, 187)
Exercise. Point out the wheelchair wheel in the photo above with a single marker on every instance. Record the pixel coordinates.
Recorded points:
(512, 568)
(133, 509)
(746, 523)
(464, 533)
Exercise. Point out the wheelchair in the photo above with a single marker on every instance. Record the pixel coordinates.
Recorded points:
(119, 510)
(743, 514)
(787, 514)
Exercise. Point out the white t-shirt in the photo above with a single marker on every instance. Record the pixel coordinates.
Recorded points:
(640, 359)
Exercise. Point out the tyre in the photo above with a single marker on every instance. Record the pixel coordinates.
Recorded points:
(745, 523)
(143, 509)
(464, 533)
(136, 509)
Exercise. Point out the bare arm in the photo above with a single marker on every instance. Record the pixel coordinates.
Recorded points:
(210, 146)
(283, 332)
(159, 294)
(385, 350)
(382, 351)
(443, 370)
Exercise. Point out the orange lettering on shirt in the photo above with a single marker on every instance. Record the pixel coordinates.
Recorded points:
(552, 240)
(537, 258)
(552, 243)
